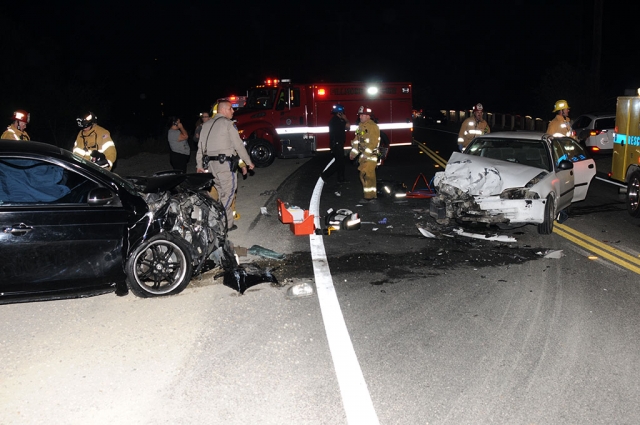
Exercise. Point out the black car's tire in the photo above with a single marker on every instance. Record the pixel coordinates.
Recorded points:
(159, 266)
(633, 194)
(546, 227)
(261, 152)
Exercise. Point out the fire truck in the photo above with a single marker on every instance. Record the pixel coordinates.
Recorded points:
(289, 120)
(625, 165)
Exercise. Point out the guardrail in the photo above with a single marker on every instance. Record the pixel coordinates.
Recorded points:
(498, 121)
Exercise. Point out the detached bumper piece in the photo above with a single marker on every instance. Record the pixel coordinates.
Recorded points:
(299, 220)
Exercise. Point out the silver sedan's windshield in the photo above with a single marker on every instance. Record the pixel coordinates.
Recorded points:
(533, 153)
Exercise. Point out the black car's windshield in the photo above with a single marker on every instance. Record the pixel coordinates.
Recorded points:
(522, 151)
(126, 184)
(261, 98)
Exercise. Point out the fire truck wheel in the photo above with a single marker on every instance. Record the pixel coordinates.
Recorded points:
(633, 194)
(261, 152)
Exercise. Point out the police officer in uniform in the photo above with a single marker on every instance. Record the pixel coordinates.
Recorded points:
(560, 126)
(365, 147)
(94, 143)
(473, 126)
(17, 129)
(220, 141)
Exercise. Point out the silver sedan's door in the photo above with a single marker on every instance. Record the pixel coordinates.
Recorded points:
(584, 168)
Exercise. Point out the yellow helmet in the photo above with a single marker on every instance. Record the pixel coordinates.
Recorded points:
(561, 104)
(214, 110)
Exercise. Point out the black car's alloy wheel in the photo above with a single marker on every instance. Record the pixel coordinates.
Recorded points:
(160, 266)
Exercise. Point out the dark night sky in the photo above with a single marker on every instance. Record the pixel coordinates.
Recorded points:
(187, 54)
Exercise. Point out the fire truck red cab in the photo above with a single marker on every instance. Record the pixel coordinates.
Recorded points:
(288, 120)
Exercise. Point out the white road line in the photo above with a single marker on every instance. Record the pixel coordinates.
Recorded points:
(353, 388)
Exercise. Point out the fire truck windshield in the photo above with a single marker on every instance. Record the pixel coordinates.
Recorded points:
(261, 98)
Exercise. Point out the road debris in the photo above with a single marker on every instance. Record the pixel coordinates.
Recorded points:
(496, 237)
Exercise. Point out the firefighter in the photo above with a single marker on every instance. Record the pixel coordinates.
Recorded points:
(365, 147)
(560, 126)
(473, 126)
(94, 143)
(17, 129)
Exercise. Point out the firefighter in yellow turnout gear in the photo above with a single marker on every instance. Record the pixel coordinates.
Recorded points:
(560, 125)
(17, 129)
(94, 143)
(366, 146)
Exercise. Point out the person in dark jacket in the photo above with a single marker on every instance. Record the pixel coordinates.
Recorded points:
(338, 127)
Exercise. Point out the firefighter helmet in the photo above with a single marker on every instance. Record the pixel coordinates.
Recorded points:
(560, 105)
(337, 109)
(478, 107)
(365, 110)
(21, 115)
(214, 110)
(86, 120)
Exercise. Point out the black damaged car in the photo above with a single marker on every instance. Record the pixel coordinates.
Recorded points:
(72, 229)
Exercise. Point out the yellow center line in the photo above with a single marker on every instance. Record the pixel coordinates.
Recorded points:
(595, 245)
(431, 154)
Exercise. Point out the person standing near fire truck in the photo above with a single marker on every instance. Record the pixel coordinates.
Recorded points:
(223, 145)
(17, 129)
(560, 126)
(365, 147)
(94, 143)
(473, 126)
(338, 127)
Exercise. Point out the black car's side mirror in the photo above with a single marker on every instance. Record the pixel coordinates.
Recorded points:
(100, 196)
(565, 164)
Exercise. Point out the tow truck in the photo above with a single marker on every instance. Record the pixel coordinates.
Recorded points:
(625, 164)
(291, 120)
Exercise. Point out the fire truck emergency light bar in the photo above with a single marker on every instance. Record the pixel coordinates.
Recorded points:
(370, 90)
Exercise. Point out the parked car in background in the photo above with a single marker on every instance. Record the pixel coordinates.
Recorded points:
(435, 117)
(71, 228)
(595, 131)
(512, 178)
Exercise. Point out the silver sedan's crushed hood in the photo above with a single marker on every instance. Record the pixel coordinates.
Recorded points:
(479, 176)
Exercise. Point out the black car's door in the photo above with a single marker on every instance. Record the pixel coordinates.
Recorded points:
(52, 239)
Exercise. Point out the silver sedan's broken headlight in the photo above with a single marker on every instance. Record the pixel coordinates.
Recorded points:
(519, 193)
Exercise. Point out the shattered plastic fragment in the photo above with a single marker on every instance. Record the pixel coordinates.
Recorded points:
(501, 238)
(426, 233)
(263, 211)
(264, 252)
(247, 275)
(553, 254)
(383, 221)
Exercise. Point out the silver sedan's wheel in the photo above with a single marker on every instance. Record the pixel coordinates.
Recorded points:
(633, 194)
(160, 266)
(546, 227)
